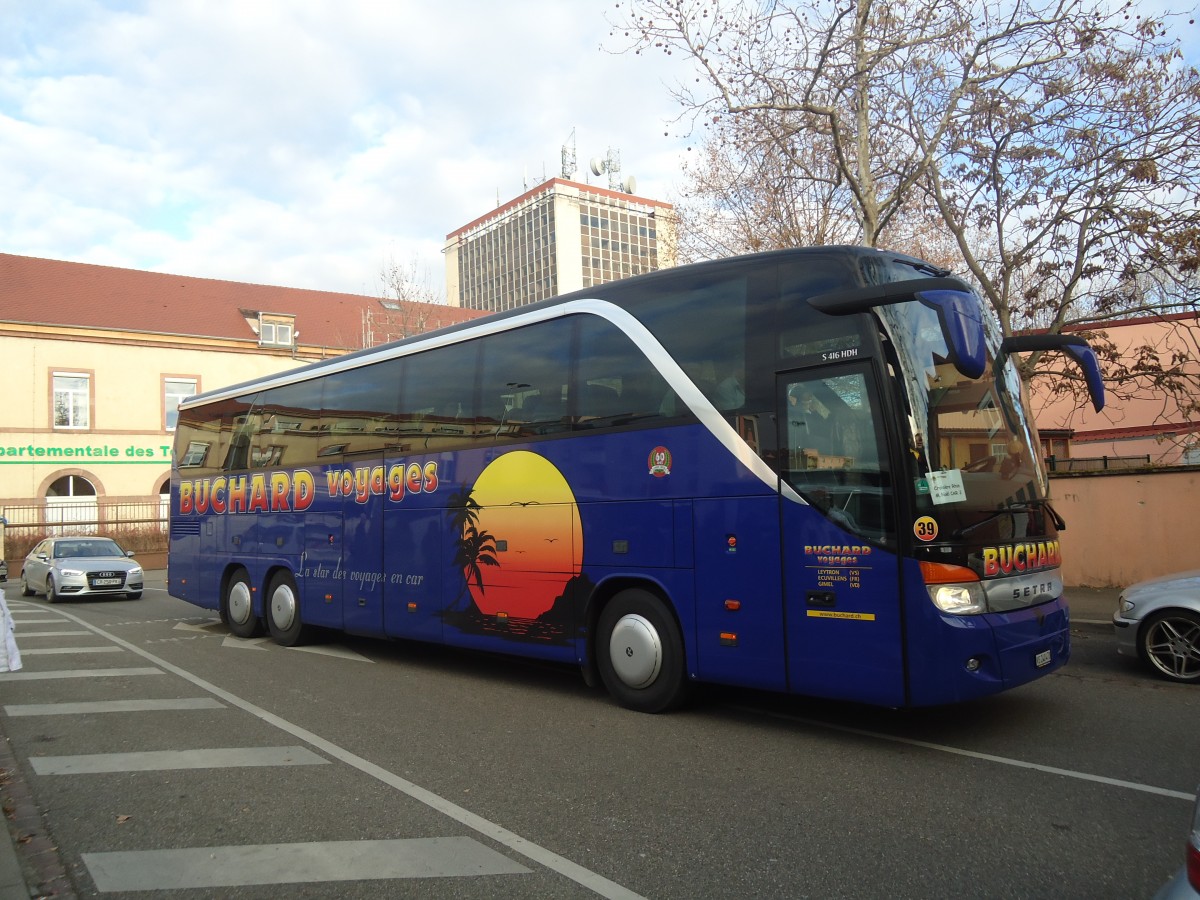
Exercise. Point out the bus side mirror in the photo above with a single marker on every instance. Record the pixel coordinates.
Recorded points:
(958, 314)
(956, 305)
(1075, 347)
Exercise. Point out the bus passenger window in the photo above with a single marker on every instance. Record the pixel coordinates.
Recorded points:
(616, 384)
(437, 404)
(523, 379)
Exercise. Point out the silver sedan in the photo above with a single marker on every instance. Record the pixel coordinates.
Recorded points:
(1159, 622)
(63, 567)
(1185, 885)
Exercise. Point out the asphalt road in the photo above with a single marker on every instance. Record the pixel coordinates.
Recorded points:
(165, 758)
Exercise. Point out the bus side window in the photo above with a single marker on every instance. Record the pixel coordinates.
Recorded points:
(438, 399)
(238, 428)
(616, 384)
(523, 374)
(291, 422)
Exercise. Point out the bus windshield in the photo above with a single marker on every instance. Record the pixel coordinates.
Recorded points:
(973, 447)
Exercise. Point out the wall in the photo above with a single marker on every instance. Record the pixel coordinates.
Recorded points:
(127, 415)
(1127, 527)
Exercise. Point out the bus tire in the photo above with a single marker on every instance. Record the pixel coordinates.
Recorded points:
(639, 652)
(237, 607)
(282, 607)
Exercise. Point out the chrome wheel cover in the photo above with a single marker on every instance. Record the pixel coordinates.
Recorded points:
(635, 650)
(282, 609)
(240, 603)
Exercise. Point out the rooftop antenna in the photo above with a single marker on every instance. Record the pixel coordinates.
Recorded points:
(611, 164)
(568, 157)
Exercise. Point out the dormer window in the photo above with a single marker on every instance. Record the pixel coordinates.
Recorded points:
(276, 330)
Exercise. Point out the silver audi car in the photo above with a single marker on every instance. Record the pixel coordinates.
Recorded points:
(64, 567)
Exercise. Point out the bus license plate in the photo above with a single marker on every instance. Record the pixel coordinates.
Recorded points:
(1042, 659)
(109, 582)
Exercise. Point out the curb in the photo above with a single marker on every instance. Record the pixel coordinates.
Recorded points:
(30, 864)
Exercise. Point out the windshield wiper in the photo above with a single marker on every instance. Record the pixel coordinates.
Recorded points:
(924, 267)
(1041, 503)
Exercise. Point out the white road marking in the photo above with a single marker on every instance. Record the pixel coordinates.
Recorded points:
(160, 760)
(207, 867)
(63, 651)
(203, 626)
(245, 643)
(107, 706)
(33, 634)
(333, 650)
(77, 673)
(986, 757)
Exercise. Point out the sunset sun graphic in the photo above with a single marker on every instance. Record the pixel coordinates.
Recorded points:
(529, 509)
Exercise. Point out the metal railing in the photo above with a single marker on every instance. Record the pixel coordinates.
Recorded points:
(1096, 463)
(57, 516)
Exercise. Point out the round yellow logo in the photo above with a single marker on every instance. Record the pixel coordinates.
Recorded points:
(925, 528)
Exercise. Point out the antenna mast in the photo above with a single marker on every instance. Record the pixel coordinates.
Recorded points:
(568, 157)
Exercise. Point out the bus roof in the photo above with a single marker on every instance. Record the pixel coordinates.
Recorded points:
(490, 323)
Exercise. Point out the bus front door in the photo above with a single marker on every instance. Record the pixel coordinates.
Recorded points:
(841, 583)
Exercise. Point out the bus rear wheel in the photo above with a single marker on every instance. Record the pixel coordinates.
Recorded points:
(639, 652)
(237, 607)
(283, 611)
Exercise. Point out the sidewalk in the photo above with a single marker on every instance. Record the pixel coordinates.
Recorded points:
(1092, 606)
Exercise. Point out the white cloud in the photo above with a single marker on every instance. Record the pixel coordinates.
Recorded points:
(302, 143)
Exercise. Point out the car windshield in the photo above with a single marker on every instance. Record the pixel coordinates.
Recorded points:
(76, 549)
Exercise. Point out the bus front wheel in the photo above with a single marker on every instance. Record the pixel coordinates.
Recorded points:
(237, 607)
(283, 611)
(640, 654)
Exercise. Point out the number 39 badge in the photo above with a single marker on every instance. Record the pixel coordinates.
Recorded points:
(925, 528)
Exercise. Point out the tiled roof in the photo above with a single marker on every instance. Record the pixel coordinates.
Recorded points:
(52, 292)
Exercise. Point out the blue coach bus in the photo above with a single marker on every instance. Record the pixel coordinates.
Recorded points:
(808, 471)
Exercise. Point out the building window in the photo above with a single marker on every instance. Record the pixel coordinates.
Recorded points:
(275, 331)
(72, 400)
(175, 391)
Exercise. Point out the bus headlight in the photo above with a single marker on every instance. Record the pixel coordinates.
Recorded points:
(954, 589)
(959, 599)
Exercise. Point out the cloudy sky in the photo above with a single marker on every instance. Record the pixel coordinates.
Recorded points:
(305, 143)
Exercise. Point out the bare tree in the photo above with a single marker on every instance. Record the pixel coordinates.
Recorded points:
(748, 192)
(1071, 192)
(408, 304)
(1052, 142)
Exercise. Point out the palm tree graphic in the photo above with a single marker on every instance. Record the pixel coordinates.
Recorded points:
(473, 549)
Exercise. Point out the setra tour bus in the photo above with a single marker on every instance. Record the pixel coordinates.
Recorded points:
(808, 471)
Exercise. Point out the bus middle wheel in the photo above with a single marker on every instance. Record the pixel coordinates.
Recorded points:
(283, 611)
(639, 652)
(237, 607)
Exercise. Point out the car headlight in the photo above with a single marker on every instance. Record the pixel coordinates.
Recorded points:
(134, 571)
(71, 573)
(1127, 606)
